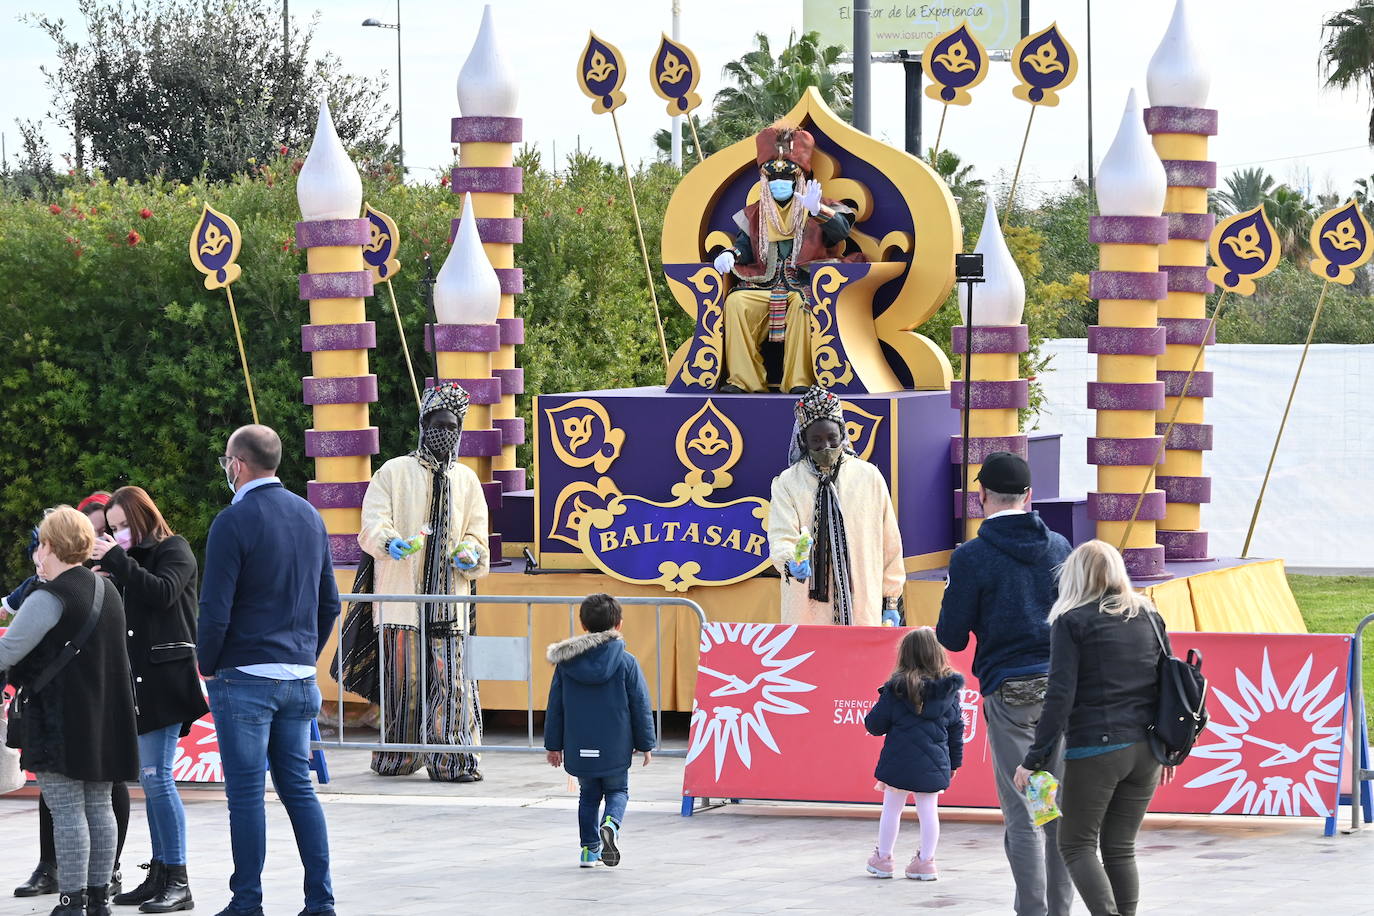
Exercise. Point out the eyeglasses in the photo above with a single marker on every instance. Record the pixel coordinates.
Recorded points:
(225, 459)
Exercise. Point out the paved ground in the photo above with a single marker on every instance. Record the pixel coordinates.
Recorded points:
(508, 846)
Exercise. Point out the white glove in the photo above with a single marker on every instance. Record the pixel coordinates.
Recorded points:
(811, 197)
(725, 262)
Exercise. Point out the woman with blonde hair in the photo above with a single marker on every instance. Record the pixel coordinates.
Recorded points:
(1105, 650)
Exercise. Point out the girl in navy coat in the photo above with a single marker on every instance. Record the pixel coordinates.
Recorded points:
(918, 713)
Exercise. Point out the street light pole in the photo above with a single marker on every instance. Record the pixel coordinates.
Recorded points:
(1092, 181)
(400, 96)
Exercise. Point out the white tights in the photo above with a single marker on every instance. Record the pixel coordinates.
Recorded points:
(894, 800)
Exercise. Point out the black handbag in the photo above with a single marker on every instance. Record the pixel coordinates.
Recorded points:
(1182, 711)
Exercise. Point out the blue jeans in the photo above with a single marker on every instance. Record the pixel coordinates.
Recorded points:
(157, 750)
(259, 719)
(615, 789)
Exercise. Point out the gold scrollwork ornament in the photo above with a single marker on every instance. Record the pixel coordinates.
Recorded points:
(831, 368)
(574, 426)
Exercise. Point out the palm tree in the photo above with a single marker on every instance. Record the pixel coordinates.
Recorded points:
(1245, 190)
(958, 176)
(765, 87)
(1348, 54)
(1364, 193)
(1291, 214)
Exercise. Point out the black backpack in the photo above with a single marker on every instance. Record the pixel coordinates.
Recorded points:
(1182, 712)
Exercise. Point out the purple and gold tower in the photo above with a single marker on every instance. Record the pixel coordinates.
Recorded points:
(1178, 85)
(487, 132)
(1128, 342)
(339, 389)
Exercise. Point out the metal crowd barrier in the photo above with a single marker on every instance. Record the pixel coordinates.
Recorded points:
(1360, 773)
(485, 658)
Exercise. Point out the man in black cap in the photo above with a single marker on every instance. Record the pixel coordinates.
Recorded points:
(1001, 587)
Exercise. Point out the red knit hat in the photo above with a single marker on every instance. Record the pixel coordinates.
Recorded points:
(98, 498)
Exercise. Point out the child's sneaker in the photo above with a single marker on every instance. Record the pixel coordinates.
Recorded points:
(919, 869)
(590, 858)
(880, 866)
(610, 853)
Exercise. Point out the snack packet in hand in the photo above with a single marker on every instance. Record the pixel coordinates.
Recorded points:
(1041, 792)
(803, 548)
(467, 554)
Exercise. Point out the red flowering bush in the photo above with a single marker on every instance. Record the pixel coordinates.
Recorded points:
(145, 213)
(54, 209)
(133, 238)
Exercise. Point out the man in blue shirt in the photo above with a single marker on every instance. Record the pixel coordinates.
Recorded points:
(267, 604)
(1001, 587)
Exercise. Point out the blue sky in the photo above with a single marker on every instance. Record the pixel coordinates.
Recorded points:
(1266, 81)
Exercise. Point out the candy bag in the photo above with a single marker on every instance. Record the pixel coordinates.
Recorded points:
(1040, 792)
(802, 552)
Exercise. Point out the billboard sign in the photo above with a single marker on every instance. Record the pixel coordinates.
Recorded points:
(909, 26)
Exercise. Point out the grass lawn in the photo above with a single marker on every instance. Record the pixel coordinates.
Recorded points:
(1335, 604)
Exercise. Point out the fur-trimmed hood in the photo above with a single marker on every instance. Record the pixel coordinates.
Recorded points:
(591, 658)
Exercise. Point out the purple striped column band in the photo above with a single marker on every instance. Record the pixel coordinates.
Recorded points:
(333, 233)
(486, 130)
(1128, 230)
(969, 507)
(1115, 341)
(512, 430)
(344, 549)
(1125, 396)
(491, 492)
(341, 443)
(1186, 489)
(512, 331)
(358, 389)
(1011, 395)
(1117, 507)
(346, 284)
(512, 481)
(1188, 437)
(361, 336)
(1169, 120)
(1144, 285)
(1190, 173)
(512, 280)
(1183, 545)
(1185, 278)
(1195, 226)
(1145, 562)
(1173, 379)
(335, 495)
(1188, 331)
(488, 179)
(480, 443)
(979, 447)
(991, 339)
(1123, 452)
(512, 380)
(480, 390)
(463, 338)
(495, 230)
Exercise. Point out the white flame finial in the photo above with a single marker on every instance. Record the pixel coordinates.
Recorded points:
(1001, 297)
(329, 186)
(467, 290)
(1131, 179)
(1178, 76)
(486, 85)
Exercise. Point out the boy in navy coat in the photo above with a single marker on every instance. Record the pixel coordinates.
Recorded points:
(599, 715)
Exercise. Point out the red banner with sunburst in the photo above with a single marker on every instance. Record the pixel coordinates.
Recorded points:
(778, 714)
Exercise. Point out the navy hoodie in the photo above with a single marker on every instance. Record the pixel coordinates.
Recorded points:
(1001, 587)
(922, 749)
(599, 711)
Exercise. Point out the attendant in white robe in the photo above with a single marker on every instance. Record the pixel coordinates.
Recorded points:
(853, 572)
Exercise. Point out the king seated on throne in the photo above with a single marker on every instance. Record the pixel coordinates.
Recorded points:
(790, 228)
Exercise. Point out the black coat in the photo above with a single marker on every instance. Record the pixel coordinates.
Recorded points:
(922, 749)
(81, 724)
(158, 581)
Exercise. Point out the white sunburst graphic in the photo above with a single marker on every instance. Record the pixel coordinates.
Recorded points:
(1282, 782)
(727, 726)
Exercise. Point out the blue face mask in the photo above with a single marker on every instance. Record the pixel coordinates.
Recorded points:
(782, 189)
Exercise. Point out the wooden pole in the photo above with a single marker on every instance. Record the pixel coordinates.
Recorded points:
(1307, 345)
(643, 249)
(935, 153)
(405, 345)
(1173, 418)
(1016, 175)
(243, 354)
(701, 153)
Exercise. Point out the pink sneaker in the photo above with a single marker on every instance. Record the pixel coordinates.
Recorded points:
(880, 866)
(919, 869)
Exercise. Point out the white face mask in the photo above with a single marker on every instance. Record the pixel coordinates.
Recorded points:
(230, 478)
(124, 537)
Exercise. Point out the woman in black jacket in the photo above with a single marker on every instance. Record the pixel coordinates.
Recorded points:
(75, 709)
(1103, 689)
(156, 572)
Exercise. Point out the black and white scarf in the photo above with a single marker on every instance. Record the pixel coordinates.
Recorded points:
(830, 571)
(436, 455)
